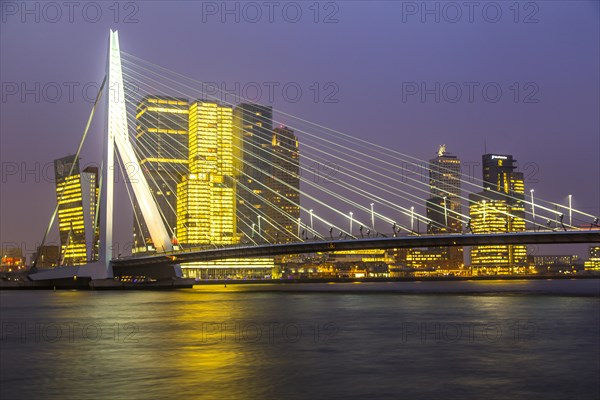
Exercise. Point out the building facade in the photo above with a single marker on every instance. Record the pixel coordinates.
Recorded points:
(76, 194)
(500, 175)
(46, 256)
(499, 209)
(253, 126)
(593, 262)
(162, 149)
(283, 209)
(444, 207)
(555, 263)
(207, 195)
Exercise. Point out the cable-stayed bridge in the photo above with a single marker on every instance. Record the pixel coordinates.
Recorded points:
(356, 194)
(263, 250)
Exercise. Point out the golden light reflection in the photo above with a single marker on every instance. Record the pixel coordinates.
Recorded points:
(223, 346)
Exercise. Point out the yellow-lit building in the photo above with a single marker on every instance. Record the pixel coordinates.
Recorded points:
(361, 256)
(593, 262)
(206, 196)
(76, 194)
(367, 263)
(422, 258)
(495, 213)
(444, 206)
(162, 146)
(499, 209)
(443, 210)
(233, 268)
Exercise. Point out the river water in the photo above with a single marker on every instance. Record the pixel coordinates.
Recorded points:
(413, 340)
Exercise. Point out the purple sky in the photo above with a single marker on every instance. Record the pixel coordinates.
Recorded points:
(372, 52)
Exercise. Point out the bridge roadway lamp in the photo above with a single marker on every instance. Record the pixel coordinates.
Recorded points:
(351, 213)
(484, 210)
(445, 212)
(532, 209)
(259, 225)
(570, 210)
(412, 218)
(311, 219)
(372, 216)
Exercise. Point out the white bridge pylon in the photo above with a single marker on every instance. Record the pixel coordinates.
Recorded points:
(117, 136)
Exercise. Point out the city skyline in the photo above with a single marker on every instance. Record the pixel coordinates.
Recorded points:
(539, 161)
(502, 195)
(300, 199)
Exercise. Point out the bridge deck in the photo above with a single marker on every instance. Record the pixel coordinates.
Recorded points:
(267, 250)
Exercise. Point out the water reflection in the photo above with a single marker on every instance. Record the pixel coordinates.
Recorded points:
(231, 343)
(213, 349)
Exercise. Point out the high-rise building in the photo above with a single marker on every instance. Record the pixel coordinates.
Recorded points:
(162, 147)
(253, 130)
(283, 209)
(498, 209)
(76, 193)
(206, 206)
(499, 175)
(444, 205)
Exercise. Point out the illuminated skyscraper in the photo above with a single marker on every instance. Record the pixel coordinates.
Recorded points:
(206, 206)
(444, 206)
(498, 209)
(499, 175)
(253, 124)
(162, 147)
(284, 208)
(76, 193)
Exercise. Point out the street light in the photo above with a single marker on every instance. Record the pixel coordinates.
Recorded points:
(259, 225)
(570, 210)
(484, 211)
(350, 222)
(299, 223)
(532, 209)
(311, 219)
(253, 225)
(372, 216)
(445, 213)
(412, 218)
